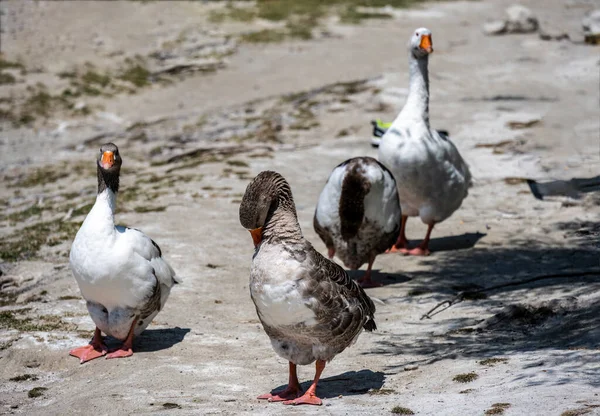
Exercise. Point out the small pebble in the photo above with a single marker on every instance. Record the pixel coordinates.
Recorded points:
(410, 367)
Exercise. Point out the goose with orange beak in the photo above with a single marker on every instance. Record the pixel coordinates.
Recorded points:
(432, 177)
(120, 271)
(309, 307)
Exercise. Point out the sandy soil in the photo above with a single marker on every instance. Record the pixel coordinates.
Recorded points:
(189, 148)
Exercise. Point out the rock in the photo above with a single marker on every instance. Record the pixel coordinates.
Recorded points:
(520, 20)
(410, 367)
(496, 27)
(591, 27)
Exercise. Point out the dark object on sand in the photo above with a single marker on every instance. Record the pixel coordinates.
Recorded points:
(572, 188)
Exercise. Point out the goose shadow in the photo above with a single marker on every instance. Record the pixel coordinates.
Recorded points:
(450, 243)
(379, 277)
(152, 340)
(350, 383)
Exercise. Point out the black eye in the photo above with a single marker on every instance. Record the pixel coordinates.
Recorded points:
(417, 34)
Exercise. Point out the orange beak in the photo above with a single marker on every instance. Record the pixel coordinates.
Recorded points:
(426, 43)
(108, 159)
(256, 235)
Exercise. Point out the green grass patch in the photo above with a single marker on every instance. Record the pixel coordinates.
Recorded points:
(238, 14)
(6, 78)
(493, 361)
(239, 163)
(84, 210)
(263, 36)
(465, 378)
(39, 176)
(9, 320)
(351, 15)
(497, 409)
(69, 297)
(26, 213)
(399, 410)
(143, 209)
(36, 392)
(380, 392)
(26, 243)
(135, 73)
(4, 64)
(24, 377)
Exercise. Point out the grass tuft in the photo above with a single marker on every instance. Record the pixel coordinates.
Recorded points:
(399, 410)
(497, 409)
(465, 378)
(493, 361)
(36, 392)
(24, 377)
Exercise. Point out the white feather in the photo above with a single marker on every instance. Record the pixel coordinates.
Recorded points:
(116, 267)
(431, 175)
(277, 296)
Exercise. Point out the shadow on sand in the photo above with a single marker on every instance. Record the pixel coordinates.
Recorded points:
(349, 383)
(508, 281)
(152, 340)
(377, 276)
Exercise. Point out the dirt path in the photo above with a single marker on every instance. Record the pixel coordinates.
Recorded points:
(189, 149)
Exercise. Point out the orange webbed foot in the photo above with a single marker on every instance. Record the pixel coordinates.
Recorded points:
(419, 251)
(290, 393)
(307, 398)
(120, 353)
(89, 352)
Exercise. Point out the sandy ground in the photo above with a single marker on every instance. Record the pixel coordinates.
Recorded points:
(189, 149)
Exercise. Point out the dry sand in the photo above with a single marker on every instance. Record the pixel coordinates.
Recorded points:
(532, 345)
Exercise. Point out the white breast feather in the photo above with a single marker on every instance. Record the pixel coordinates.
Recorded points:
(276, 290)
(108, 266)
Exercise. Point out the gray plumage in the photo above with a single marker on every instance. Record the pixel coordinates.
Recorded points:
(358, 213)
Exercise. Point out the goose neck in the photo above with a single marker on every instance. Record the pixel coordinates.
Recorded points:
(417, 104)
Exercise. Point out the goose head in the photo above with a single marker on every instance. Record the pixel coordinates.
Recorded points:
(420, 43)
(264, 194)
(109, 166)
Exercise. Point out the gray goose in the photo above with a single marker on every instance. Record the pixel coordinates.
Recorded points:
(358, 213)
(309, 307)
(120, 271)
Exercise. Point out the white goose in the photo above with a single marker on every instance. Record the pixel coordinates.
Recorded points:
(358, 213)
(119, 270)
(433, 179)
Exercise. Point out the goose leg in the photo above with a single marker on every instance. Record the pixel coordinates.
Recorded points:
(401, 245)
(423, 248)
(310, 397)
(292, 391)
(95, 349)
(366, 281)
(126, 349)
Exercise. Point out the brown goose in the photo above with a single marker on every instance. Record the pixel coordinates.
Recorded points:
(358, 213)
(309, 307)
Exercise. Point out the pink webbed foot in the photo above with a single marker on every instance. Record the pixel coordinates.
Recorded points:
(394, 249)
(307, 398)
(330, 253)
(120, 353)
(89, 352)
(289, 393)
(419, 251)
